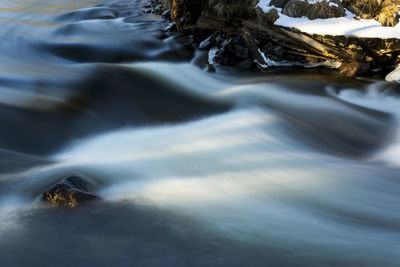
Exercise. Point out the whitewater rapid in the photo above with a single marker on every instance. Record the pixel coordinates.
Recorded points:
(242, 177)
(289, 167)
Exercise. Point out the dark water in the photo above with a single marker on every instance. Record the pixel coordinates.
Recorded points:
(290, 167)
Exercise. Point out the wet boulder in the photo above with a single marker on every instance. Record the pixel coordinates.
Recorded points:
(352, 69)
(72, 191)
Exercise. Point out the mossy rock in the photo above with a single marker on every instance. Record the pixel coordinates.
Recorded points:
(71, 192)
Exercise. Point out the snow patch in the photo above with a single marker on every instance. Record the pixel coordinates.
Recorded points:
(348, 25)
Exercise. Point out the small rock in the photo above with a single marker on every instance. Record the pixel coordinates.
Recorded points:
(271, 16)
(245, 64)
(242, 52)
(70, 192)
(219, 39)
(190, 39)
(351, 69)
(206, 43)
(278, 3)
(171, 27)
(225, 60)
(166, 13)
(158, 9)
(182, 20)
(239, 51)
(296, 8)
(279, 51)
(237, 39)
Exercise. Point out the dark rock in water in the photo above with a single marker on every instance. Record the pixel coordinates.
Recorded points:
(239, 51)
(71, 192)
(245, 64)
(351, 69)
(166, 13)
(279, 51)
(207, 42)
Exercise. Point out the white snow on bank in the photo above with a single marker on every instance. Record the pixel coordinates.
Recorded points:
(264, 5)
(341, 26)
(335, 26)
(271, 63)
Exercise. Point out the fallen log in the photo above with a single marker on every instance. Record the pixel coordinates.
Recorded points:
(260, 34)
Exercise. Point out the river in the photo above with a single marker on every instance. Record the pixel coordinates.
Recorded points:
(289, 167)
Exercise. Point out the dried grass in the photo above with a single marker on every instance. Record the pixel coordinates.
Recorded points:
(369, 9)
(322, 10)
(385, 11)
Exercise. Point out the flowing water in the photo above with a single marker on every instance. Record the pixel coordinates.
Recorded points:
(284, 168)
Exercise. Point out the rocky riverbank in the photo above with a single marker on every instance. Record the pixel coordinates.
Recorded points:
(354, 36)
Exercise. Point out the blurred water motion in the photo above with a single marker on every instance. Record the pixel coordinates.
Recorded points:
(285, 168)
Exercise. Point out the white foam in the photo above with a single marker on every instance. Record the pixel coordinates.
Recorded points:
(185, 75)
(11, 208)
(376, 100)
(236, 172)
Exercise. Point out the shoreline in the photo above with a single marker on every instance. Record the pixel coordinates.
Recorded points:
(243, 35)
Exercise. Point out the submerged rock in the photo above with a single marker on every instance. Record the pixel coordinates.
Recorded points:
(70, 192)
